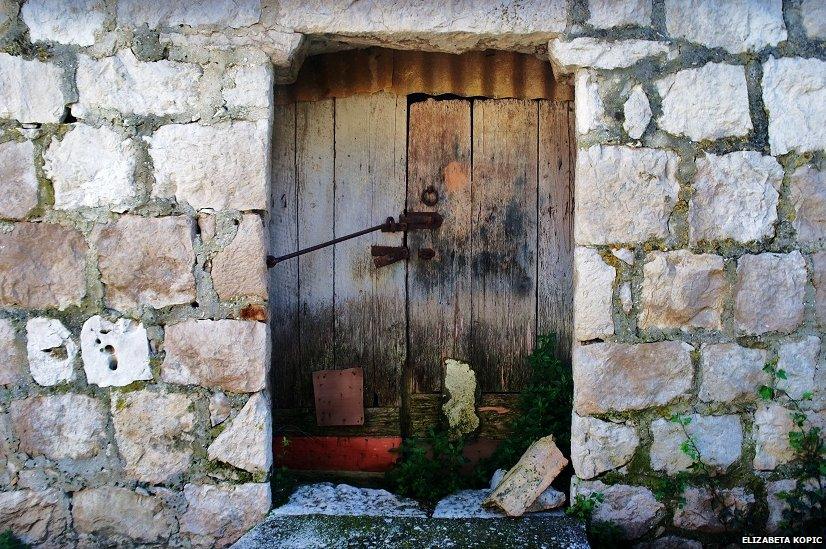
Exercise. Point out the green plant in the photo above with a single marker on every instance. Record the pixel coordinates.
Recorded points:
(283, 480)
(600, 533)
(582, 507)
(9, 541)
(429, 468)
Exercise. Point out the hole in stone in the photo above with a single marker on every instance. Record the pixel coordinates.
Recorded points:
(97, 341)
(60, 353)
(235, 222)
(113, 363)
(194, 304)
(68, 117)
(109, 349)
(105, 331)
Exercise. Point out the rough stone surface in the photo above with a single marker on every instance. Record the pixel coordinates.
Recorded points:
(819, 280)
(30, 90)
(807, 191)
(549, 499)
(798, 358)
(598, 446)
(619, 376)
(219, 408)
(593, 292)
(734, 25)
(246, 442)
(50, 350)
(794, 92)
(772, 424)
(146, 261)
(12, 354)
(813, 13)
(708, 102)
(682, 290)
(250, 87)
(325, 498)
(35, 517)
(567, 55)
(729, 372)
(284, 49)
(114, 354)
(76, 22)
(42, 266)
(219, 167)
(625, 255)
(59, 426)
(735, 197)
(466, 504)
(218, 515)
(775, 504)
(625, 297)
(634, 509)
(623, 194)
(218, 13)
(769, 282)
(604, 14)
(240, 269)
(110, 511)
(124, 84)
(460, 390)
(699, 511)
(231, 355)
(154, 434)
(18, 181)
(718, 440)
(637, 113)
(590, 112)
(92, 167)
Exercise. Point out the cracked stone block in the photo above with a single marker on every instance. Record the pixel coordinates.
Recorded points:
(598, 446)
(231, 355)
(18, 181)
(30, 90)
(799, 359)
(219, 408)
(240, 269)
(36, 517)
(807, 191)
(12, 354)
(146, 261)
(699, 513)
(92, 167)
(114, 354)
(718, 440)
(604, 14)
(50, 350)
(794, 92)
(111, 511)
(594, 53)
(634, 509)
(730, 372)
(593, 295)
(75, 22)
(59, 426)
(460, 407)
(735, 197)
(246, 442)
(637, 113)
(813, 13)
(705, 103)
(218, 13)
(217, 515)
(769, 282)
(154, 434)
(42, 266)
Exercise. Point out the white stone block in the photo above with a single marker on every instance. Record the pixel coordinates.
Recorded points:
(637, 113)
(72, 22)
(248, 87)
(50, 350)
(769, 282)
(633, 509)
(30, 90)
(799, 359)
(169, 13)
(718, 439)
(794, 92)
(114, 354)
(730, 372)
(813, 13)
(18, 181)
(590, 111)
(593, 293)
(246, 442)
(595, 53)
(598, 446)
(807, 192)
(605, 14)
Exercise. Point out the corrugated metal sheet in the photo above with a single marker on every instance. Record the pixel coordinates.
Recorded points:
(492, 73)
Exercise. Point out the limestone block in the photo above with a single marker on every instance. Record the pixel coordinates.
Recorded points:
(153, 432)
(219, 167)
(75, 22)
(111, 511)
(246, 442)
(634, 509)
(124, 84)
(217, 516)
(593, 292)
(282, 48)
(525, 481)
(219, 408)
(705, 103)
(813, 13)
(12, 354)
(59, 426)
(216, 13)
(36, 517)
(637, 113)
(730, 372)
(460, 407)
(625, 255)
(50, 350)
(769, 282)
(819, 280)
(700, 513)
(807, 191)
(146, 261)
(718, 440)
(92, 167)
(794, 92)
(8, 12)
(798, 358)
(682, 290)
(775, 504)
(231, 355)
(114, 354)
(42, 266)
(594, 53)
(240, 269)
(326, 498)
(18, 182)
(772, 424)
(623, 194)
(30, 90)
(590, 112)
(735, 197)
(604, 14)
(248, 87)
(734, 25)
(618, 376)
(598, 446)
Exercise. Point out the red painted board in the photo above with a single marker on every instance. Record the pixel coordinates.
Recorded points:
(371, 454)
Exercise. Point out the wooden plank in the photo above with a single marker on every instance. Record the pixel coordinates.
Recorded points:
(370, 333)
(495, 410)
(556, 214)
(439, 290)
(504, 242)
(283, 240)
(302, 422)
(314, 172)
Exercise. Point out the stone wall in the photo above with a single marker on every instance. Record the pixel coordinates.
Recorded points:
(134, 179)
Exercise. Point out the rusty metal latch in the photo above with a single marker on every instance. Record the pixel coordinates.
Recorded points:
(387, 255)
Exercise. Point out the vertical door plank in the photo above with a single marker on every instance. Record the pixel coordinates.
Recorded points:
(370, 186)
(316, 213)
(556, 212)
(439, 290)
(504, 241)
(283, 240)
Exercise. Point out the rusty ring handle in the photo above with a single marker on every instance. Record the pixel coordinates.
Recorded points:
(430, 196)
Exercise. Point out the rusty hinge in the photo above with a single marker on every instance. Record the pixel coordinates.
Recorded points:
(387, 255)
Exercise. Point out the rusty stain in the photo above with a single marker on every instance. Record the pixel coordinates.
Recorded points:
(254, 312)
(456, 176)
(339, 397)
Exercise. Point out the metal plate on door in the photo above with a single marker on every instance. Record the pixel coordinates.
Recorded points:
(339, 397)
